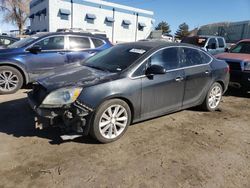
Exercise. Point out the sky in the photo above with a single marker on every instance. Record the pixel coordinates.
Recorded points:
(194, 12)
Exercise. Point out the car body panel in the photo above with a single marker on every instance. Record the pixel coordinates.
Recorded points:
(36, 64)
(236, 61)
(147, 95)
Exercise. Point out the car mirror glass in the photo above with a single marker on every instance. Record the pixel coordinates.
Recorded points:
(155, 69)
(35, 49)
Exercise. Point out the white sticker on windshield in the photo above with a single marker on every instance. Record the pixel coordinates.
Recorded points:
(138, 51)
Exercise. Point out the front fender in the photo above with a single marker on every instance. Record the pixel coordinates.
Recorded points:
(16, 64)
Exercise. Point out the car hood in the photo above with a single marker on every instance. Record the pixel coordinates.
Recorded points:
(76, 75)
(234, 56)
(8, 50)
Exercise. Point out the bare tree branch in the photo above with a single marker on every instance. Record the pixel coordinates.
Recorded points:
(15, 11)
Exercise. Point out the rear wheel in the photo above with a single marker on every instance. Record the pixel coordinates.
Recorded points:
(111, 121)
(213, 98)
(11, 80)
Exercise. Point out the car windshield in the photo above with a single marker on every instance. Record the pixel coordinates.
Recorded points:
(242, 47)
(197, 41)
(23, 42)
(117, 58)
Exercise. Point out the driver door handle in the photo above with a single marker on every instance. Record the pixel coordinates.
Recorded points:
(179, 79)
(207, 72)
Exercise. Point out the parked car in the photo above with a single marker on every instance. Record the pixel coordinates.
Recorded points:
(213, 44)
(238, 59)
(26, 60)
(128, 83)
(6, 41)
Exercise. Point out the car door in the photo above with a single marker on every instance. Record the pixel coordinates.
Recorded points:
(198, 74)
(212, 46)
(163, 93)
(79, 48)
(52, 55)
(221, 45)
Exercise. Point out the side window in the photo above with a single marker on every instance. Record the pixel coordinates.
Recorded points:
(191, 57)
(221, 42)
(52, 43)
(168, 58)
(79, 42)
(97, 42)
(211, 42)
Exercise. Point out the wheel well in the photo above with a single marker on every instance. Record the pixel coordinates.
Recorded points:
(19, 69)
(129, 104)
(222, 84)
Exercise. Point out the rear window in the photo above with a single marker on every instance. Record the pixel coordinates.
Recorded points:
(221, 42)
(97, 42)
(242, 47)
(79, 42)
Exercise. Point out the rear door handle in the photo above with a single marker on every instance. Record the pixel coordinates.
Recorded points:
(207, 72)
(179, 79)
(61, 53)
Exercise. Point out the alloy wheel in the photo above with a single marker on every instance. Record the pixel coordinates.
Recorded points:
(8, 81)
(215, 97)
(113, 121)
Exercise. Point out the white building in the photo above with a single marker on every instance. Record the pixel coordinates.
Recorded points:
(121, 23)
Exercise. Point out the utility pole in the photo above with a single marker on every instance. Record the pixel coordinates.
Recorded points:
(72, 1)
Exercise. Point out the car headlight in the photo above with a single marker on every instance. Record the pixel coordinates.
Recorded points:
(62, 96)
(247, 66)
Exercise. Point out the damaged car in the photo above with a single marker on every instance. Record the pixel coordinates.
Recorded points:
(128, 83)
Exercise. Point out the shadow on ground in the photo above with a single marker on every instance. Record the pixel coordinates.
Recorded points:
(17, 119)
(237, 93)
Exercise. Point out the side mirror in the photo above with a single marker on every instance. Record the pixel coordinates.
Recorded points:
(155, 69)
(35, 49)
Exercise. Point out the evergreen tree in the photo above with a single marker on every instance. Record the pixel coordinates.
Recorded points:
(164, 26)
(182, 31)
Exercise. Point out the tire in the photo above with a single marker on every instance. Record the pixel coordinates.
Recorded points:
(106, 128)
(11, 80)
(213, 98)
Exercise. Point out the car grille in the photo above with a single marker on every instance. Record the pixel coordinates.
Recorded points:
(39, 93)
(234, 65)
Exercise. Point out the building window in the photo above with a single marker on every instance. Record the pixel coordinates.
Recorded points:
(141, 26)
(90, 18)
(109, 21)
(126, 24)
(64, 14)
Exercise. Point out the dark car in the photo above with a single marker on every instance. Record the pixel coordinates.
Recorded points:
(26, 60)
(129, 83)
(5, 41)
(238, 59)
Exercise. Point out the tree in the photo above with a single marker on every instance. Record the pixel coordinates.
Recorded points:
(15, 11)
(164, 26)
(182, 31)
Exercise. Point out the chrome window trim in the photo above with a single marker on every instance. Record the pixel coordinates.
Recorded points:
(104, 42)
(26, 49)
(187, 67)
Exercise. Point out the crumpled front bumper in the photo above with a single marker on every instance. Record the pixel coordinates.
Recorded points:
(74, 118)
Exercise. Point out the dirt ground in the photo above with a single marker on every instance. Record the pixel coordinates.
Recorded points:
(190, 148)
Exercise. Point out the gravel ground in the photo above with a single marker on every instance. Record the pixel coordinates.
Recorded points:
(190, 148)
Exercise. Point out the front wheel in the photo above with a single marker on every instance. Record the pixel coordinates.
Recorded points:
(213, 98)
(11, 80)
(111, 121)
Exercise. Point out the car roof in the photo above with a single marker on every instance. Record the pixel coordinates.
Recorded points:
(8, 37)
(47, 34)
(157, 44)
